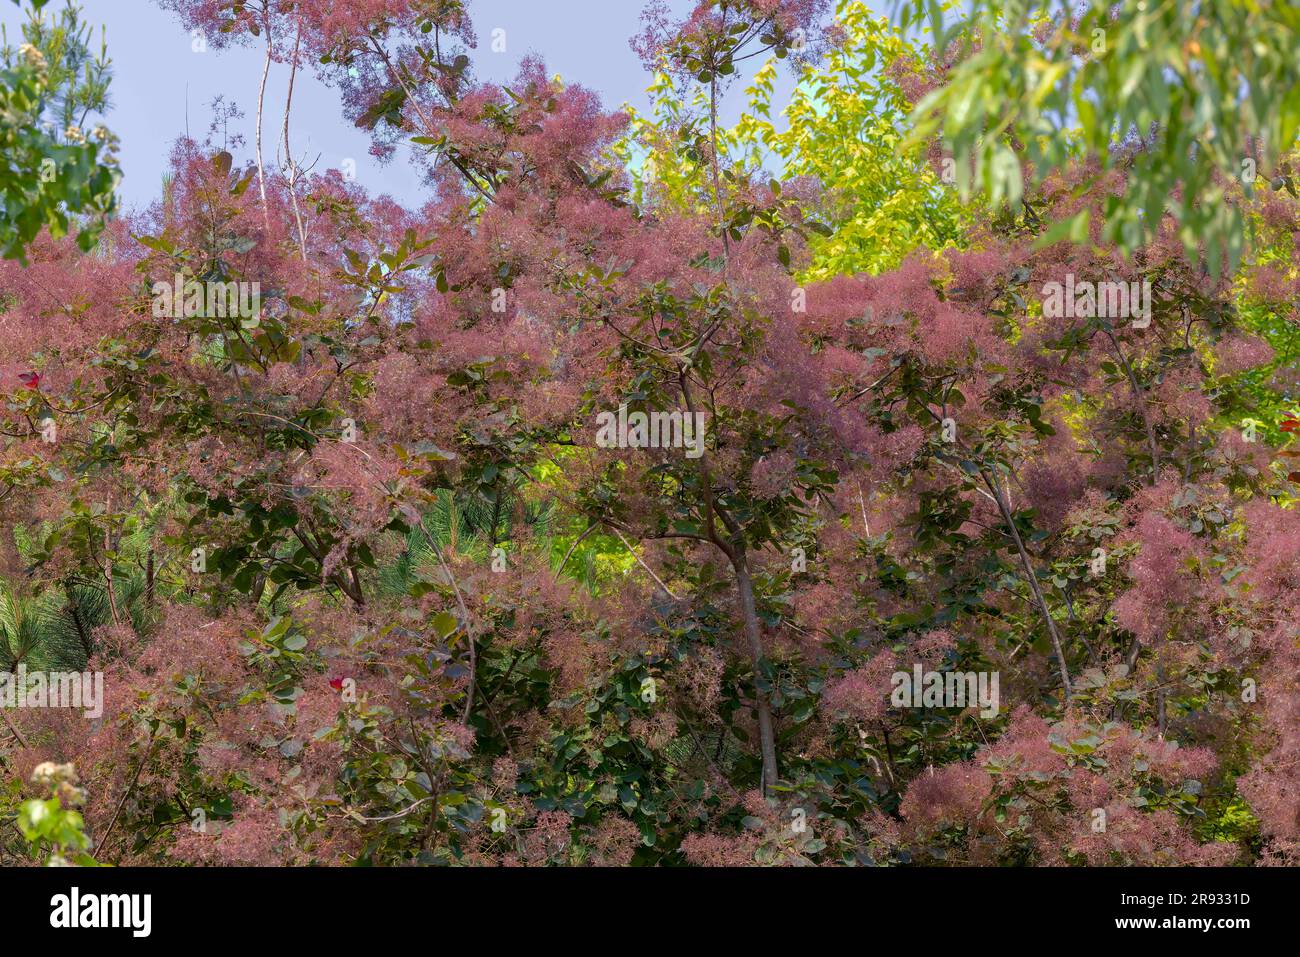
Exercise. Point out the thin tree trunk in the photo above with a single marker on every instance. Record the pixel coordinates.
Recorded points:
(466, 622)
(350, 587)
(261, 102)
(108, 575)
(358, 591)
(1142, 407)
(717, 180)
(99, 846)
(288, 156)
(735, 552)
(1000, 497)
(766, 734)
(18, 735)
(640, 561)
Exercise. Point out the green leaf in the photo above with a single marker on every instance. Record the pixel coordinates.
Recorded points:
(445, 624)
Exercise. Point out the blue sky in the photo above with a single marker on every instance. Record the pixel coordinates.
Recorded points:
(158, 78)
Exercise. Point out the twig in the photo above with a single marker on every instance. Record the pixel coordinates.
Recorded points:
(465, 618)
(576, 542)
(126, 794)
(658, 581)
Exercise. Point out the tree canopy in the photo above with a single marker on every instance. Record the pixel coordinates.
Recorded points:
(666, 492)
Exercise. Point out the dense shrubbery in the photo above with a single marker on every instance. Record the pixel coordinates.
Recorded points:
(366, 588)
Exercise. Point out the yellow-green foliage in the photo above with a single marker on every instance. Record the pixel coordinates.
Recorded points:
(843, 127)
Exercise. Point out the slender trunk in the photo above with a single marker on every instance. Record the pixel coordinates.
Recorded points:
(149, 574)
(1000, 497)
(112, 595)
(99, 846)
(288, 156)
(889, 755)
(465, 623)
(640, 561)
(261, 101)
(766, 735)
(1069, 608)
(1161, 698)
(717, 179)
(108, 577)
(735, 552)
(350, 586)
(358, 593)
(1142, 407)
(4, 713)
